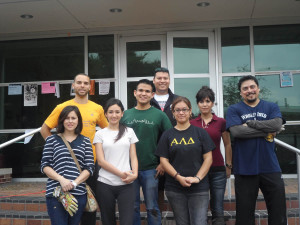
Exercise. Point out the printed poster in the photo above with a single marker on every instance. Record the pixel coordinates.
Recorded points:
(30, 94)
(48, 88)
(104, 86)
(286, 79)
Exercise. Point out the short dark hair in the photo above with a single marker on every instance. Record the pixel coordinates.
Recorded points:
(63, 115)
(82, 74)
(205, 92)
(181, 99)
(145, 81)
(245, 78)
(161, 69)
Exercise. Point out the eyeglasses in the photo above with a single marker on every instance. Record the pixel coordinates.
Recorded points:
(184, 110)
(161, 69)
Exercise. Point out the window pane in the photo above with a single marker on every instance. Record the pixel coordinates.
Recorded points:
(131, 100)
(235, 49)
(101, 56)
(287, 98)
(41, 59)
(142, 58)
(286, 158)
(24, 159)
(194, 85)
(191, 55)
(231, 94)
(13, 114)
(277, 47)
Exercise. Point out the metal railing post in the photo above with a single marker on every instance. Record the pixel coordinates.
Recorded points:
(298, 174)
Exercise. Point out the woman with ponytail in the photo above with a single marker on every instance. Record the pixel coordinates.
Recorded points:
(116, 154)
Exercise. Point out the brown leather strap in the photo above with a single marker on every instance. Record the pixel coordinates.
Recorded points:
(71, 151)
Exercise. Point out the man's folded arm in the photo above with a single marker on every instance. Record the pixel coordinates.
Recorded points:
(267, 126)
(242, 131)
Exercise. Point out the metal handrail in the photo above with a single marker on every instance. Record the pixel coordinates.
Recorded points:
(19, 138)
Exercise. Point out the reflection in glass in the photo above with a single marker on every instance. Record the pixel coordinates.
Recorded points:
(142, 58)
(235, 49)
(41, 59)
(131, 100)
(231, 94)
(188, 87)
(101, 56)
(191, 55)
(287, 98)
(277, 47)
(24, 159)
(286, 158)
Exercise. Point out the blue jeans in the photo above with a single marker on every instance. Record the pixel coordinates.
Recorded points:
(59, 216)
(217, 184)
(149, 184)
(189, 208)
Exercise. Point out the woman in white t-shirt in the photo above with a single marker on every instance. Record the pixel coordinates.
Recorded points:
(116, 154)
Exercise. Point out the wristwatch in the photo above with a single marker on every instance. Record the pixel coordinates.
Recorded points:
(229, 166)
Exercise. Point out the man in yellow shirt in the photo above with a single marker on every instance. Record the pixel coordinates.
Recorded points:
(92, 115)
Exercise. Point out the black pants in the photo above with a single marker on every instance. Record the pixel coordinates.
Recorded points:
(89, 218)
(246, 191)
(107, 196)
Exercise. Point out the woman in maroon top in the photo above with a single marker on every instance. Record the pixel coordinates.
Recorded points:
(216, 128)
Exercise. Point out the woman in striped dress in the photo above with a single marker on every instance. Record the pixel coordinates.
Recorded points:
(58, 164)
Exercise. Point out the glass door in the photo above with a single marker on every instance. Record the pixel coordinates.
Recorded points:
(140, 55)
(192, 64)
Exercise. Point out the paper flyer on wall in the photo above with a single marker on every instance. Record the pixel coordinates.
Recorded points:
(57, 90)
(104, 86)
(30, 94)
(28, 138)
(72, 91)
(48, 87)
(14, 89)
(286, 79)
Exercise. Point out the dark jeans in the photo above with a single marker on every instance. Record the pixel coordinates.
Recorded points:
(89, 218)
(217, 185)
(107, 196)
(246, 191)
(189, 208)
(59, 216)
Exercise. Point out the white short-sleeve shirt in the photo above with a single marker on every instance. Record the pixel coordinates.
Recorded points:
(116, 153)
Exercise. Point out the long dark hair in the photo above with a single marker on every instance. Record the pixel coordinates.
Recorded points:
(64, 114)
(122, 127)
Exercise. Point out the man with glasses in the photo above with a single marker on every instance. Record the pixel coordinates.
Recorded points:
(253, 123)
(163, 96)
(148, 123)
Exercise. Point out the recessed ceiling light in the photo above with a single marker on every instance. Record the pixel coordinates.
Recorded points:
(203, 4)
(115, 10)
(26, 16)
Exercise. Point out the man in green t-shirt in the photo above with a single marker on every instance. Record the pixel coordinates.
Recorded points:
(148, 123)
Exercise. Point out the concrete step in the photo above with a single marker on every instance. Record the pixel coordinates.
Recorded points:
(9, 217)
(39, 204)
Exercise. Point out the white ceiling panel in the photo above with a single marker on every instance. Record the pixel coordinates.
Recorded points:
(47, 15)
(60, 15)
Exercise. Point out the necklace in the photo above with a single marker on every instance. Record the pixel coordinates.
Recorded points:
(206, 125)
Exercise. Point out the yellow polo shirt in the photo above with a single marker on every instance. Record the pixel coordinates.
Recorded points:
(92, 114)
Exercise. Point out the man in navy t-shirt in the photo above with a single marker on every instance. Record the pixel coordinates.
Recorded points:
(253, 123)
